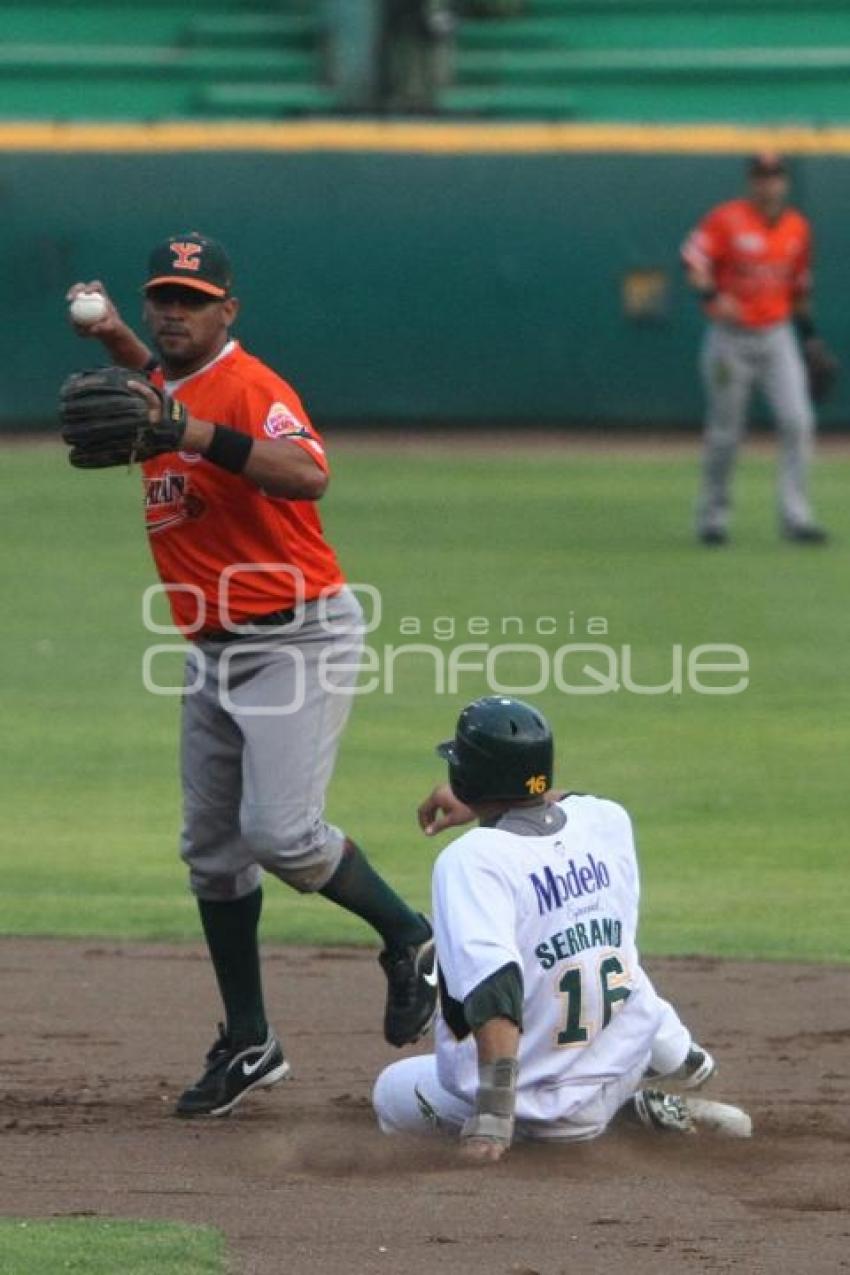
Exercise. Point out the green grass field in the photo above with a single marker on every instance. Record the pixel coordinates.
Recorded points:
(739, 800)
(96, 1247)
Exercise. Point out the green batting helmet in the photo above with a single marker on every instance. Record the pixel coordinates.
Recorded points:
(502, 750)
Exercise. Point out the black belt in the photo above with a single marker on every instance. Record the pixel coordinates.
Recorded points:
(275, 619)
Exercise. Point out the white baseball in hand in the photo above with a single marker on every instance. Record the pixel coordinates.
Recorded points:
(88, 308)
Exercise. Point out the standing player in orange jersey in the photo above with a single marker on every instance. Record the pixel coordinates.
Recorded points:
(276, 638)
(749, 261)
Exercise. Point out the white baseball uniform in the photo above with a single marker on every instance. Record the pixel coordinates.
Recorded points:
(553, 889)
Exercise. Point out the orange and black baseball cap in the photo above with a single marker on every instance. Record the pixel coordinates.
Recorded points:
(767, 164)
(193, 261)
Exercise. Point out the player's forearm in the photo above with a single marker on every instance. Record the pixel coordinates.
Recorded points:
(441, 809)
(117, 338)
(125, 348)
(493, 1010)
(718, 305)
(801, 311)
(498, 1038)
(280, 468)
(802, 317)
(487, 1135)
(701, 279)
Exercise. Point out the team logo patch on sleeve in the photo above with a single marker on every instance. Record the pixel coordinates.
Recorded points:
(282, 422)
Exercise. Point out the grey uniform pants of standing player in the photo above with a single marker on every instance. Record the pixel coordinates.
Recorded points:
(734, 362)
(262, 720)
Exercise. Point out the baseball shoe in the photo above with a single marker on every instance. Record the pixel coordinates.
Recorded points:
(671, 1113)
(805, 533)
(411, 991)
(713, 536)
(230, 1074)
(696, 1071)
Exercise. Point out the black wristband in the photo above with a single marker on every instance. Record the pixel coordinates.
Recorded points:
(229, 449)
(707, 294)
(151, 365)
(804, 323)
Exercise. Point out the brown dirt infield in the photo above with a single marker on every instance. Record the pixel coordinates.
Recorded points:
(97, 1038)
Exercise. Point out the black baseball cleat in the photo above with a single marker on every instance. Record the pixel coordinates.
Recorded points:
(411, 991)
(713, 536)
(230, 1074)
(806, 534)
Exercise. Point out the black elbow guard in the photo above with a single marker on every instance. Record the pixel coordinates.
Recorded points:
(499, 996)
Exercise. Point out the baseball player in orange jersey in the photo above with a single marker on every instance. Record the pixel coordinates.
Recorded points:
(275, 636)
(749, 260)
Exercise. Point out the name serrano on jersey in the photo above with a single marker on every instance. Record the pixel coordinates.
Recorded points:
(560, 946)
(557, 888)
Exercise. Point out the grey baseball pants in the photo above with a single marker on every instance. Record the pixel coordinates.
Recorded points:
(262, 720)
(734, 361)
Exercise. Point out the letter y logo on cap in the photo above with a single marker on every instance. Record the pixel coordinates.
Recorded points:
(187, 256)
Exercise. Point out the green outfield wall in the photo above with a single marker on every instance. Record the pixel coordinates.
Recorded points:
(457, 280)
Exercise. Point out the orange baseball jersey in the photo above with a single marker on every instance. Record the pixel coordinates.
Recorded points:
(217, 532)
(763, 264)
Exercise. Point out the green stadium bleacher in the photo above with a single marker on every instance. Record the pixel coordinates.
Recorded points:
(654, 61)
(509, 101)
(654, 30)
(162, 60)
(264, 101)
(237, 30)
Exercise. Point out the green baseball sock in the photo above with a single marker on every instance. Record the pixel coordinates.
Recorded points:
(230, 928)
(357, 887)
